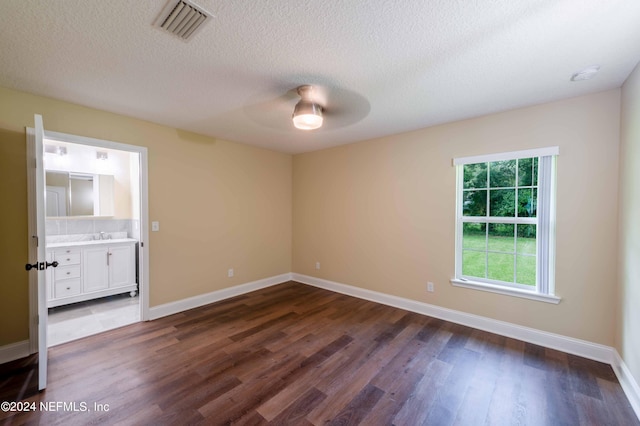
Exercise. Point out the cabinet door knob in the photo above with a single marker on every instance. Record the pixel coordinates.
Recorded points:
(68, 273)
(68, 288)
(68, 259)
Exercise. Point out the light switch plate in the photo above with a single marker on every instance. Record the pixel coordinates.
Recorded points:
(155, 226)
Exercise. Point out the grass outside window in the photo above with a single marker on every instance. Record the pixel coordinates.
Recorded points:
(497, 257)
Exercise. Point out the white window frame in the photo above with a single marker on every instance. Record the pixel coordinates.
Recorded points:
(545, 227)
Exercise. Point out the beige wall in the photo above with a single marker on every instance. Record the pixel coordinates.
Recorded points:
(122, 194)
(14, 294)
(628, 338)
(380, 214)
(221, 205)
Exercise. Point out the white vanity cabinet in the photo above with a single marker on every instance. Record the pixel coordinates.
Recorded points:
(91, 270)
(95, 263)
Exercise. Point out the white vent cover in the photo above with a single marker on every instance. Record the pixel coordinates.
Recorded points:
(182, 18)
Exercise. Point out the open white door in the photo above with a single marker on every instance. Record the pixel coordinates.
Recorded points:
(37, 245)
(41, 208)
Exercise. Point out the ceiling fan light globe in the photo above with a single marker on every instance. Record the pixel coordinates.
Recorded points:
(307, 116)
(307, 121)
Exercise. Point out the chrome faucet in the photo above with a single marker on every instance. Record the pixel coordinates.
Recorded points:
(102, 235)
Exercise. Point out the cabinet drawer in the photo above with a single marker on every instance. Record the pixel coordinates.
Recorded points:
(65, 272)
(66, 288)
(67, 257)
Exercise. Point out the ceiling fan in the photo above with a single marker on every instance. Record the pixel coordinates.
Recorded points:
(307, 107)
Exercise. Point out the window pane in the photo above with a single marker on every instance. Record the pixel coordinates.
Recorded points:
(526, 270)
(501, 237)
(525, 172)
(473, 263)
(502, 174)
(535, 171)
(500, 266)
(475, 175)
(474, 236)
(474, 203)
(526, 243)
(503, 203)
(527, 202)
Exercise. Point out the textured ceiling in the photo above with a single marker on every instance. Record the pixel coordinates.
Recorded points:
(382, 67)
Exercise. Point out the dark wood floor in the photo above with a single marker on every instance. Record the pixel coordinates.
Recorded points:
(295, 354)
(19, 379)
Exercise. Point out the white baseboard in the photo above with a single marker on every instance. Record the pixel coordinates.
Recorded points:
(14, 351)
(627, 381)
(570, 345)
(171, 308)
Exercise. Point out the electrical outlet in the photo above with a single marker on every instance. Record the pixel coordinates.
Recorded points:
(430, 287)
(317, 265)
(155, 226)
(230, 273)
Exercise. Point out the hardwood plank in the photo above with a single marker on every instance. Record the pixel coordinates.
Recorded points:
(19, 379)
(591, 411)
(450, 397)
(532, 399)
(295, 413)
(561, 407)
(418, 404)
(474, 407)
(274, 406)
(253, 419)
(505, 406)
(582, 376)
(358, 407)
(394, 397)
(241, 401)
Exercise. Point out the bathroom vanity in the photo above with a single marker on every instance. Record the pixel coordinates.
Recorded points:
(90, 269)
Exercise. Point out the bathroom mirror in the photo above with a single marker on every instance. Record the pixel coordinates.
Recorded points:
(78, 194)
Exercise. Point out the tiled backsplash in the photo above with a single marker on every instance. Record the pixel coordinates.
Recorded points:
(69, 238)
(89, 226)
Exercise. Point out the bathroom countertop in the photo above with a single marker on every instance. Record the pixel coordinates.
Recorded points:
(90, 242)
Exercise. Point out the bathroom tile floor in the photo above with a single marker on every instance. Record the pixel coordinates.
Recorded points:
(71, 322)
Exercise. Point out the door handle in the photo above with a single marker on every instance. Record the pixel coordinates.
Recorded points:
(41, 266)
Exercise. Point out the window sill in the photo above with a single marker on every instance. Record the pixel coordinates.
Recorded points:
(475, 285)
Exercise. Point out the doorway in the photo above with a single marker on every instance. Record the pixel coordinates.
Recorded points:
(94, 229)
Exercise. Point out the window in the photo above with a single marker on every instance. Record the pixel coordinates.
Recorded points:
(505, 223)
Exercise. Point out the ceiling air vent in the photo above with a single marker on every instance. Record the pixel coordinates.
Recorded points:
(182, 18)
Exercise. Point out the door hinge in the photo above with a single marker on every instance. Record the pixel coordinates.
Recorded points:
(37, 240)
(141, 244)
